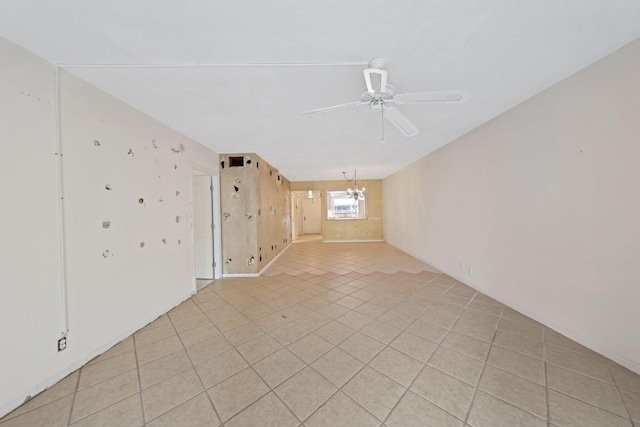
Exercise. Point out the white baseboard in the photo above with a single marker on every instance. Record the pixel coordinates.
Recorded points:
(261, 271)
(351, 241)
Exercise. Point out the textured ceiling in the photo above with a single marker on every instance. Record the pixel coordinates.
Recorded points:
(235, 76)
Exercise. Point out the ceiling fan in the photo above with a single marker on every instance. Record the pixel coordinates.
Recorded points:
(378, 94)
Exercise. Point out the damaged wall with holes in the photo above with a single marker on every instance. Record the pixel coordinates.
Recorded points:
(256, 213)
(126, 229)
(369, 229)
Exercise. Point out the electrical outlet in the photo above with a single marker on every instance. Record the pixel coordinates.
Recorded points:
(62, 343)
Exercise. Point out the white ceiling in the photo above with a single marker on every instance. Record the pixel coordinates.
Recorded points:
(236, 75)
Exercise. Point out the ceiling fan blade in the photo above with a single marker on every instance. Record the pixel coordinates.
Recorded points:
(335, 107)
(429, 97)
(400, 121)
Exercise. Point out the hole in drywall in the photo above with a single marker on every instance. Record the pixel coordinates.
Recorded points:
(179, 241)
(260, 258)
(142, 244)
(227, 261)
(226, 216)
(235, 162)
(177, 193)
(179, 149)
(236, 188)
(251, 261)
(107, 187)
(270, 172)
(178, 218)
(278, 177)
(153, 143)
(248, 161)
(130, 152)
(141, 200)
(235, 196)
(249, 217)
(96, 143)
(164, 241)
(105, 254)
(237, 181)
(222, 164)
(258, 165)
(106, 223)
(258, 212)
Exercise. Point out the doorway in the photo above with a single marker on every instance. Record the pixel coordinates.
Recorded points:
(312, 213)
(206, 236)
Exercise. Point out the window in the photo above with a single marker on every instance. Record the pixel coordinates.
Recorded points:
(341, 205)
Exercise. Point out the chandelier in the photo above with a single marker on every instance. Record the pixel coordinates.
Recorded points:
(355, 192)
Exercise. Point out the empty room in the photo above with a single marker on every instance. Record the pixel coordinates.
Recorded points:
(386, 214)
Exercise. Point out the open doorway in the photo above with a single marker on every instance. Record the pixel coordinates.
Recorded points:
(206, 236)
(312, 213)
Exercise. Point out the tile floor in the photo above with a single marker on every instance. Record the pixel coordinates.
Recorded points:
(341, 335)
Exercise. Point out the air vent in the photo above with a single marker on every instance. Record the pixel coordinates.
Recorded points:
(235, 162)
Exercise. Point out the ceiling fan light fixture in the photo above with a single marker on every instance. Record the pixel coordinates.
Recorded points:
(376, 79)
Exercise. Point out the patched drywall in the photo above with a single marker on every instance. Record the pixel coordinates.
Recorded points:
(371, 228)
(256, 213)
(126, 228)
(539, 208)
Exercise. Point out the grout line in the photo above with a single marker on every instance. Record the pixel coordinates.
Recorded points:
(75, 393)
(135, 355)
(546, 376)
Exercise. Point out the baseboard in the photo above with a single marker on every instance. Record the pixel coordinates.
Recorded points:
(228, 275)
(72, 367)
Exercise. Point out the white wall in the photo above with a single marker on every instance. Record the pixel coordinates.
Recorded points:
(543, 203)
(114, 286)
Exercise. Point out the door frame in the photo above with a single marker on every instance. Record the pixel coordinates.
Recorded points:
(215, 206)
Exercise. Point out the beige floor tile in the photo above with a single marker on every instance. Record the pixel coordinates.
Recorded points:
(557, 339)
(334, 332)
(243, 334)
(488, 411)
(197, 412)
(163, 368)
(341, 411)
(310, 347)
(510, 313)
(414, 346)
(312, 321)
(259, 348)
(288, 333)
(221, 312)
(220, 367)
(170, 393)
(518, 364)
(439, 318)
(236, 393)
(449, 393)
(457, 365)
(272, 321)
(481, 318)
(332, 311)
(428, 331)
(371, 310)
(149, 336)
(361, 347)
(278, 367)
(519, 344)
(200, 333)
(350, 302)
(126, 413)
(208, 348)
(185, 323)
(295, 311)
(585, 364)
(109, 368)
(381, 331)
(531, 330)
(305, 392)
(414, 411)
(396, 365)
(474, 330)
(396, 319)
(337, 366)
(123, 346)
(106, 393)
(515, 390)
(466, 345)
(374, 391)
(268, 411)
(354, 320)
(158, 349)
(230, 322)
(257, 311)
(632, 402)
(597, 393)
(53, 414)
(447, 308)
(493, 309)
(63, 388)
(625, 378)
(567, 411)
